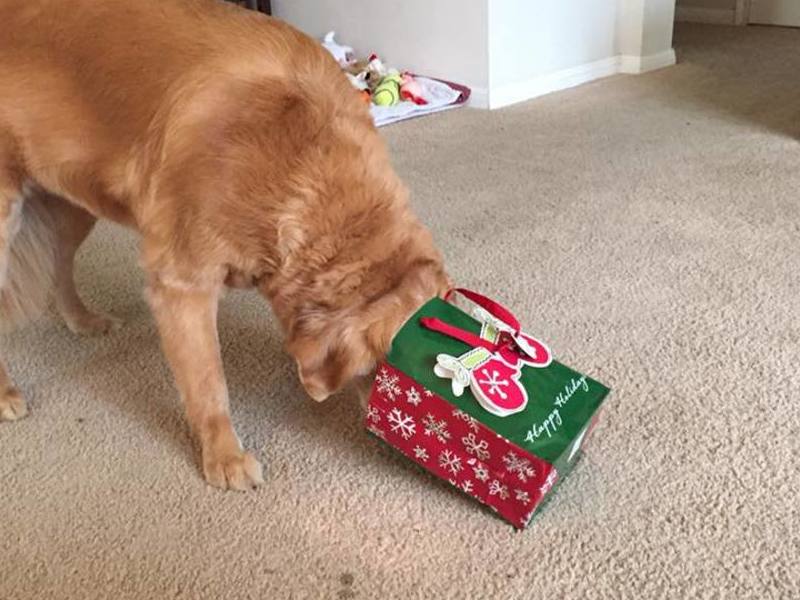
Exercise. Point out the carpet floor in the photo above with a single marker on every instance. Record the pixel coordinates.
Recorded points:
(648, 227)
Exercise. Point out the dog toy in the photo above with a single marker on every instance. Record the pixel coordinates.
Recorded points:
(359, 83)
(410, 89)
(343, 54)
(366, 74)
(388, 91)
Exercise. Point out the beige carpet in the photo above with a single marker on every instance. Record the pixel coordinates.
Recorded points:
(648, 227)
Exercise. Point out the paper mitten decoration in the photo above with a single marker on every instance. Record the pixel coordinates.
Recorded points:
(493, 367)
(497, 388)
(533, 352)
(494, 383)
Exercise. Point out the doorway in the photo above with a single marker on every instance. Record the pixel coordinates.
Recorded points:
(775, 12)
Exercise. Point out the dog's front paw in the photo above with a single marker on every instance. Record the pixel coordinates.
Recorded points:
(12, 405)
(232, 470)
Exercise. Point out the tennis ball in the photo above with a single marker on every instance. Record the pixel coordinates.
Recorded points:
(386, 94)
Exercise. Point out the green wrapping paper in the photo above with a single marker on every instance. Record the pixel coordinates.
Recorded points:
(561, 403)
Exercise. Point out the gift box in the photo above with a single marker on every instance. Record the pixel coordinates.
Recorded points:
(483, 405)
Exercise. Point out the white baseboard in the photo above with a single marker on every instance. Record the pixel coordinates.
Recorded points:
(560, 80)
(567, 78)
(716, 16)
(635, 65)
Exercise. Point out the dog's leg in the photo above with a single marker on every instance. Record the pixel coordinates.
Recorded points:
(12, 404)
(72, 227)
(187, 321)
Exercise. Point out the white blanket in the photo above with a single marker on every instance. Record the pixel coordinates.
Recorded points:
(440, 96)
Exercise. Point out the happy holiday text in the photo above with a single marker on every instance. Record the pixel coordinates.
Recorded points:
(554, 420)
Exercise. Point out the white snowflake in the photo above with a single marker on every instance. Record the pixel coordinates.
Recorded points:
(388, 384)
(466, 485)
(437, 428)
(373, 414)
(495, 383)
(475, 447)
(429, 393)
(548, 484)
(376, 431)
(521, 466)
(481, 472)
(450, 461)
(421, 454)
(498, 489)
(413, 397)
(402, 423)
(472, 422)
(522, 496)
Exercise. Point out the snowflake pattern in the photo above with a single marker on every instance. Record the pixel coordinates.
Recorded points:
(475, 447)
(388, 384)
(471, 421)
(465, 466)
(413, 397)
(450, 462)
(421, 454)
(481, 472)
(549, 483)
(437, 428)
(402, 423)
(373, 414)
(498, 489)
(495, 383)
(521, 466)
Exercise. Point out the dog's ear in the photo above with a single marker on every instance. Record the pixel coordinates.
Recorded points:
(325, 368)
(316, 366)
(316, 380)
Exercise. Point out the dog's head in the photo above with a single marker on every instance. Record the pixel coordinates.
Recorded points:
(343, 321)
(355, 265)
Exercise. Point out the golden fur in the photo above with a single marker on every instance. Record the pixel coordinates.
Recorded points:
(235, 146)
(29, 262)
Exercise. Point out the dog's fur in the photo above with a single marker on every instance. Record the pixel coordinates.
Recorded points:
(237, 149)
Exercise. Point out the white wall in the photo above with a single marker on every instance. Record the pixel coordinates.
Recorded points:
(441, 38)
(657, 27)
(531, 39)
(537, 47)
(645, 33)
(505, 50)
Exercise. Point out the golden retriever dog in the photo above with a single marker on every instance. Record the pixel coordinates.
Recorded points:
(237, 149)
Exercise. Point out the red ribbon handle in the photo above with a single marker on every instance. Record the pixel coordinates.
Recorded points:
(495, 308)
(457, 333)
(511, 347)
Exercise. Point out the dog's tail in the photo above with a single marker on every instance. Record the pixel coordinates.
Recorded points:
(30, 264)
